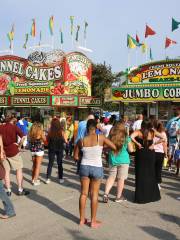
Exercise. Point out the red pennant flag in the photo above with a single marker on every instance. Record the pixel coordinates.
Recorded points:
(169, 42)
(149, 31)
(137, 39)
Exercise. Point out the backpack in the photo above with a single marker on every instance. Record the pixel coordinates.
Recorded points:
(173, 128)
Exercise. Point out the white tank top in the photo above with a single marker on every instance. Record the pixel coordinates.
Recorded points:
(92, 156)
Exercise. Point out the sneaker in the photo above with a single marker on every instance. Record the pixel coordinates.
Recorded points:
(61, 180)
(48, 181)
(36, 182)
(170, 169)
(23, 193)
(9, 193)
(159, 186)
(121, 199)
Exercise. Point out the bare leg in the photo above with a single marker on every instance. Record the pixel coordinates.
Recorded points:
(7, 179)
(120, 187)
(19, 176)
(109, 183)
(33, 167)
(38, 161)
(95, 185)
(83, 197)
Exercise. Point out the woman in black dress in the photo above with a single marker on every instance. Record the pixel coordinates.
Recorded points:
(146, 187)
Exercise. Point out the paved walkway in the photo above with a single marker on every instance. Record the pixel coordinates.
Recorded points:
(51, 211)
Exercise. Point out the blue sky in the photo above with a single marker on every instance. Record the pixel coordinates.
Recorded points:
(109, 22)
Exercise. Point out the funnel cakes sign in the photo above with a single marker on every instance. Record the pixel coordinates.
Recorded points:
(52, 73)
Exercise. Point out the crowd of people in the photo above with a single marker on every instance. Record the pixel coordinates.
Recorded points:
(94, 139)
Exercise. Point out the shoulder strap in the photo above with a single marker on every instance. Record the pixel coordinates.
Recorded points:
(98, 139)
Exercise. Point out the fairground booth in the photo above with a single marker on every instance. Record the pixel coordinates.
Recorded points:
(45, 84)
(152, 89)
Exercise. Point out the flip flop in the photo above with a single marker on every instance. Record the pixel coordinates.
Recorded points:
(85, 222)
(105, 198)
(4, 217)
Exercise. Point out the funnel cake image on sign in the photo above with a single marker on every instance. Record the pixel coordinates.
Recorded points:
(77, 72)
(4, 81)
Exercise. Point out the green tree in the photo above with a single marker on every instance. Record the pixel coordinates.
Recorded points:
(102, 78)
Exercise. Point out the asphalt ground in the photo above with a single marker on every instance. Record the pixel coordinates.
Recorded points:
(51, 211)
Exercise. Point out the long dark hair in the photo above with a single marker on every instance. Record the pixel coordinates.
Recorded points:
(146, 129)
(55, 129)
(91, 124)
(158, 125)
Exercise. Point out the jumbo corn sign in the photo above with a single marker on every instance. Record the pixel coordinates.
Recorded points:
(158, 81)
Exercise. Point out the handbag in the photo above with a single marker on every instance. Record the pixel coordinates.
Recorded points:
(165, 161)
(177, 155)
(2, 171)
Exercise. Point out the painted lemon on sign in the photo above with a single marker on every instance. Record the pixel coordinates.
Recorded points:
(165, 71)
(136, 79)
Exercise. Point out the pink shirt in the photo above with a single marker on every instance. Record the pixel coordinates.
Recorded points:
(159, 147)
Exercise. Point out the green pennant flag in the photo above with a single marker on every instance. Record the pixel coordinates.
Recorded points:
(132, 43)
(150, 55)
(77, 33)
(26, 40)
(61, 36)
(85, 29)
(175, 24)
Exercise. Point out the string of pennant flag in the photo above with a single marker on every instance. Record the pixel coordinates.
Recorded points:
(33, 32)
(135, 42)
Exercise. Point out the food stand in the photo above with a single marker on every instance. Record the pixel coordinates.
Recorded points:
(46, 84)
(151, 89)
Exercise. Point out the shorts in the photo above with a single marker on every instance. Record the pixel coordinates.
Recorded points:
(171, 149)
(120, 171)
(38, 154)
(13, 163)
(91, 172)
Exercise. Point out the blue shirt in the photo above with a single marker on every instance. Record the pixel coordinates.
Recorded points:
(172, 140)
(23, 125)
(81, 131)
(122, 157)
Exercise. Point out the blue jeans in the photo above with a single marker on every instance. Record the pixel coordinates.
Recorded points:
(8, 207)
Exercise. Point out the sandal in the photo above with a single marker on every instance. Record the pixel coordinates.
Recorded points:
(105, 198)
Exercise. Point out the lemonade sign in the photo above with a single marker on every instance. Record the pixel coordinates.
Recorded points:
(161, 72)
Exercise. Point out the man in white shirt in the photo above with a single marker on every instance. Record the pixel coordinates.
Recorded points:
(107, 127)
(137, 123)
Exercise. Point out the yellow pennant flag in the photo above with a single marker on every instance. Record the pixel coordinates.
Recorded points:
(131, 43)
(144, 48)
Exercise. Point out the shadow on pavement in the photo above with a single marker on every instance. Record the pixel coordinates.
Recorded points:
(170, 218)
(51, 205)
(158, 233)
(78, 235)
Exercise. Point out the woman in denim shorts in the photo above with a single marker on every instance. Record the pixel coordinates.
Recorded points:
(91, 170)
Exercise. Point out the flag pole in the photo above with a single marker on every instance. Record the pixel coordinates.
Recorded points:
(12, 47)
(52, 42)
(136, 58)
(72, 42)
(128, 59)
